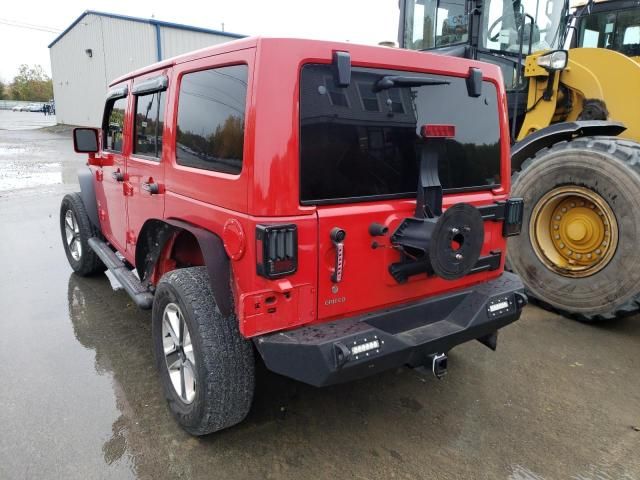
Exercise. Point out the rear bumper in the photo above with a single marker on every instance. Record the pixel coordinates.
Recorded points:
(322, 354)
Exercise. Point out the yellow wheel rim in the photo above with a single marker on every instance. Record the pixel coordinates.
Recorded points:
(573, 231)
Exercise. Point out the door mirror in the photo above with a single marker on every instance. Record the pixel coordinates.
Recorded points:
(85, 140)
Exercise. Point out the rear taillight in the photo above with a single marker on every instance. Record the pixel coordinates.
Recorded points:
(513, 212)
(277, 250)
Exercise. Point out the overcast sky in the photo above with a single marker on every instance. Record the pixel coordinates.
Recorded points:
(358, 21)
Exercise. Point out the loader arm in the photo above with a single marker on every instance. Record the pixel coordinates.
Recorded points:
(592, 73)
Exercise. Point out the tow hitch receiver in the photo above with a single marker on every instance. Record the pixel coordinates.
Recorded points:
(439, 364)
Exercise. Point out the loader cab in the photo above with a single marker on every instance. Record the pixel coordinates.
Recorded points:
(501, 32)
(614, 25)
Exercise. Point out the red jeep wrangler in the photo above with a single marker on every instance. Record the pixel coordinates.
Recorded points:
(340, 209)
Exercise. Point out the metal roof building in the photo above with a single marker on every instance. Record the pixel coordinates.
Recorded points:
(98, 47)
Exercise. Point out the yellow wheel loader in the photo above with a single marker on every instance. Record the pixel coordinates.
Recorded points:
(575, 127)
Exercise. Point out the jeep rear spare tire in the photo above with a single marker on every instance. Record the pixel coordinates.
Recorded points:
(578, 251)
(206, 366)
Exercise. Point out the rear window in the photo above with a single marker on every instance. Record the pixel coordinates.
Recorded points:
(356, 143)
(211, 110)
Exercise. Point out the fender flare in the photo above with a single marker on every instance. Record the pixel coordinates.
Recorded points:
(212, 248)
(563, 131)
(88, 195)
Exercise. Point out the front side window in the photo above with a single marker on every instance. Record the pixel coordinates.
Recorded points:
(114, 124)
(211, 112)
(149, 124)
(347, 154)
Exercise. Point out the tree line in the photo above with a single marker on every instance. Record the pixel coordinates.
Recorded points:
(30, 84)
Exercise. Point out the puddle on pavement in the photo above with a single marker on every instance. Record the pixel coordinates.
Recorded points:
(14, 176)
(12, 150)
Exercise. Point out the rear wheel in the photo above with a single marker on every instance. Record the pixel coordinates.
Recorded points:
(76, 229)
(578, 252)
(206, 366)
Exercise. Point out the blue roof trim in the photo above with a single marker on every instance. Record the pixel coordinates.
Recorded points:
(151, 21)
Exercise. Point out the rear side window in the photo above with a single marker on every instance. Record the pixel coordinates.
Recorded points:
(149, 124)
(211, 111)
(114, 124)
(368, 145)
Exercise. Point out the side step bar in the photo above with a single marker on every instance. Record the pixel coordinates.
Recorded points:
(142, 297)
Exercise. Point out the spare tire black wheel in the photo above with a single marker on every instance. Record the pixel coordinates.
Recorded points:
(206, 366)
(578, 251)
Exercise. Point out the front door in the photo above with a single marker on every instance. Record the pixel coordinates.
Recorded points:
(111, 200)
(145, 167)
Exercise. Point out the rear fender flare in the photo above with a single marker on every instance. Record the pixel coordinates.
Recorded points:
(155, 234)
(563, 131)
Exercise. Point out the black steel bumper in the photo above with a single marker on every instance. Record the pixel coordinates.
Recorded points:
(344, 350)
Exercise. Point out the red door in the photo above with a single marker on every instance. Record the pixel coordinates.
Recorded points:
(111, 201)
(145, 165)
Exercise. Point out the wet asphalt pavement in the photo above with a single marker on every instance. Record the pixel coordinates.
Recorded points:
(80, 397)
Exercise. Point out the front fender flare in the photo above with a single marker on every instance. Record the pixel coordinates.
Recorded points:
(88, 195)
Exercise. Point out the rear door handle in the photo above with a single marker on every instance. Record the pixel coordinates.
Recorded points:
(152, 188)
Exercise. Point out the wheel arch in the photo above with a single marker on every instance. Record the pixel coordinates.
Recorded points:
(157, 235)
(563, 131)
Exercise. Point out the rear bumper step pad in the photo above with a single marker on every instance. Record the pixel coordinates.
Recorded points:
(347, 349)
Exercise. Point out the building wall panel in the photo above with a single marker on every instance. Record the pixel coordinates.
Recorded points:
(118, 45)
(177, 41)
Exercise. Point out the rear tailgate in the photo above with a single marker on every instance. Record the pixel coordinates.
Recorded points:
(359, 165)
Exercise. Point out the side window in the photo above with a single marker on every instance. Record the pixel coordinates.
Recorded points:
(114, 124)
(211, 111)
(149, 124)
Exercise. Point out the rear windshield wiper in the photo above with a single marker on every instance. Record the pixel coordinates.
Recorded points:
(391, 81)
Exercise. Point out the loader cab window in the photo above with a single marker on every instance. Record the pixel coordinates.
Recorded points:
(539, 23)
(435, 23)
(113, 124)
(619, 31)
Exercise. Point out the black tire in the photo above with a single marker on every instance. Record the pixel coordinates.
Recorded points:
(610, 167)
(224, 362)
(87, 263)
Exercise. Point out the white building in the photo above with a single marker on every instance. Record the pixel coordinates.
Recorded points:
(99, 47)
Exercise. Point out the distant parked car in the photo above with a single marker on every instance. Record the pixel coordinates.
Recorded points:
(34, 107)
(18, 108)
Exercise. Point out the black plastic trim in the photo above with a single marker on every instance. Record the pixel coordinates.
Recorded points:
(151, 85)
(158, 232)
(563, 131)
(88, 195)
(117, 92)
(322, 354)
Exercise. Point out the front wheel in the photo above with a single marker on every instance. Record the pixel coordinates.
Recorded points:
(205, 365)
(578, 251)
(76, 229)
